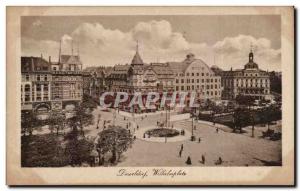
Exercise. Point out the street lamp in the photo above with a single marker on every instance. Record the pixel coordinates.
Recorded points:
(193, 136)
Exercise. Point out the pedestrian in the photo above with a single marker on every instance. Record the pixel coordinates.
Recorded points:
(180, 152)
(126, 126)
(172, 126)
(220, 160)
(194, 127)
(137, 127)
(134, 137)
(124, 118)
(217, 130)
(199, 140)
(203, 159)
(165, 139)
(144, 136)
(181, 148)
(188, 161)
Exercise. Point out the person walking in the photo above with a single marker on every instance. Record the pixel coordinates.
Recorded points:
(217, 130)
(188, 161)
(203, 159)
(181, 148)
(180, 152)
(199, 140)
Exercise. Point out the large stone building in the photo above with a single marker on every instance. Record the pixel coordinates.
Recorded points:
(49, 86)
(35, 84)
(195, 75)
(250, 81)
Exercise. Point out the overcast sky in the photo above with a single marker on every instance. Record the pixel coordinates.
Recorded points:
(109, 40)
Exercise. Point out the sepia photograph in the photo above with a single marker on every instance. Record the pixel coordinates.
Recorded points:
(152, 94)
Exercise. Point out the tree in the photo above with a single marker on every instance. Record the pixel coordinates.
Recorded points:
(56, 121)
(42, 151)
(115, 140)
(28, 122)
(240, 119)
(78, 149)
(244, 100)
(82, 117)
(269, 114)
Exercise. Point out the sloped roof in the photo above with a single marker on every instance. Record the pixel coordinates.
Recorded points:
(137, 60)
(29, 64)
(161, 68)
(70, 59)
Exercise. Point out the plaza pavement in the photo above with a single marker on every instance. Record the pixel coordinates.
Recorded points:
(234, 149)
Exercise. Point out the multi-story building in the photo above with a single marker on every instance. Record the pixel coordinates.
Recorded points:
(195, 75)
(94, 80)
(51, 86)
(35, 84)
(141, 77)
(250, 81)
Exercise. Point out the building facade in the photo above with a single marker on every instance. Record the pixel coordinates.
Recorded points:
(195, 75)
(35, 84)
(141, 77)
(49, 86)
(250, 81)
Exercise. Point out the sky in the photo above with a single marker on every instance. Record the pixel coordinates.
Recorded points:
(109, 40)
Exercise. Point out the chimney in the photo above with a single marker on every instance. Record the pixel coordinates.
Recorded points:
(32, 64)
(49, 59)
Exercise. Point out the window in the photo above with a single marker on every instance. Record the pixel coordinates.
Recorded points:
(38, 78)
(207, 74)
(177, 81)
(46, 78)
(27, 77)
(202, 74)
(182, 87)
(202, 80)
(216, 86)
(197, 80)
(182, 80)
(192, 80)
(192, 74)
(38, 87)
(216, 80)
(207, 80)
(27, 88)
(212, 86)
(207, 87)
(187, 74)
(212, 80)
(45, 87)
(197, 74)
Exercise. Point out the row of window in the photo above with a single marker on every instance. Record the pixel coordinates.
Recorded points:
(39, 87)
(198, 80)
(197, 87)
(38, 77)
(194, 74)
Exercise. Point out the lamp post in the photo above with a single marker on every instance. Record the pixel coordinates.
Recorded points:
(193, 136)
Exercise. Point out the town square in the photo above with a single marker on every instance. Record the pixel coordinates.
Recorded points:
(155, 98)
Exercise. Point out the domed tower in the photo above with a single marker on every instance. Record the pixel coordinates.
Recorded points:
(251, 64)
